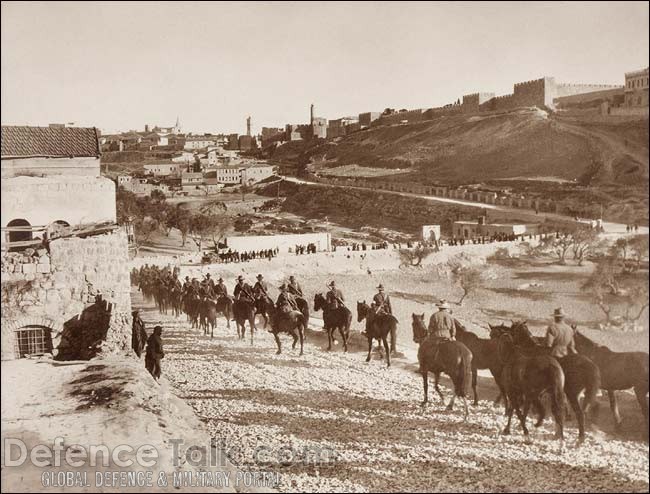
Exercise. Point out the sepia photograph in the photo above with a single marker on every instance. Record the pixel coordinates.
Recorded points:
(291, 246)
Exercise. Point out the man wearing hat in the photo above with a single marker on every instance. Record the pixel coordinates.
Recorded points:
(186, 285)
(220, 289)
(334, 297)
(243, 290)
(138, 334)
(441, 324)
(382, 301)
(261, 289)
(154, 353)
(294, 287)
(559, 336)
(286, 301)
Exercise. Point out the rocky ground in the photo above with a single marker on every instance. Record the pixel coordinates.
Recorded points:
(366, 423)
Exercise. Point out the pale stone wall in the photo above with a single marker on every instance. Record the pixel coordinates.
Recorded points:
(82, 166)
(282, 242)
(60, 291)
(70, 198)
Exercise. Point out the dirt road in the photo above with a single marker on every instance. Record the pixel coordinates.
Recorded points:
(366, 423)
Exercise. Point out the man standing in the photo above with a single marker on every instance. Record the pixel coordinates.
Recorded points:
(154, 353)
(243, 290)
(294, 287)
(559, 336)
(138, 334)
(382, 301)
(334, 297)
(441, 324)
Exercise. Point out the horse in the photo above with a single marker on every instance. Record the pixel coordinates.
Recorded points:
(484, 355)
(451, 357)
(243, 310)
(525, 379)
(619, 370)
(378, 326)
(333, 319)
(292, 323)
(264, 306)
(580, 374)
(210, 309)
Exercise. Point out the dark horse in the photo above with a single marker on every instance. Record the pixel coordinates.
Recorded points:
(525, 379)
(266, 307)
(333, 319)
(619, 370)
(378, 327)
(244, 311)
(580, 374)
(209, 310)
(451, 357)
(484, 355)
(292, 323)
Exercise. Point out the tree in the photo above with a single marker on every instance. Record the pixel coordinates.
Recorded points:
(145, 228)
(204, 226)
(182, 221)
(468, 277)
(557, 245)
(157, 196)
(584, 241)
(630, 252)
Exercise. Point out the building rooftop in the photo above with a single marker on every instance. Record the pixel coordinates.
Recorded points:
(56, 142)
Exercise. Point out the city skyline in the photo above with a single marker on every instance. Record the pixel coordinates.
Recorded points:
(121, 66)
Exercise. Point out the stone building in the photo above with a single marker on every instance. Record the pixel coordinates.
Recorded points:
(65, 291)
(636, 88)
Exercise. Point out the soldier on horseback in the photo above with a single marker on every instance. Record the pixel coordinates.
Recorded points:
(441, 324)
(220, 289)
(334, 297)
(286, 301)
(261, 289)
(243, 290)
(294, 287)
(381, 302)
(559, 336)
(186, 285)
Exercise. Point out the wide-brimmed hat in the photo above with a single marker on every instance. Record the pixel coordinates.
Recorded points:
(220, 278)
(292, 277)
(283, 286)
(331, 283)
(135, 312)
(207, 275)
(187, 277)
(442, 304)
(240, 278)
(380, 287)
(558, 312)
(259, 276)
(157, 328)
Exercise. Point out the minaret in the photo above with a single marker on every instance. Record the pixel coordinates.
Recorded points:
(177, 127)
(248, 126)
(311, 115)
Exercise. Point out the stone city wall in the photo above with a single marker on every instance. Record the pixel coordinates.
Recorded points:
(80, 290)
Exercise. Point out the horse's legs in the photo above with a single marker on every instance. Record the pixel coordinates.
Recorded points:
(393, 330)
(295, 340)
(558, 409)
(541, 411)
(385, 342)
(474, 379)
(509, 409)
(253, 328)
(369, 349)
(344, 338)
(640, 396)
(329, 339)
(613, 404)
(466, 415)
(213, 323)
(277, 342)
(437, 388)
(301, 332)
(577, 410)
(523, 415)
(425, 383)
(450, 406)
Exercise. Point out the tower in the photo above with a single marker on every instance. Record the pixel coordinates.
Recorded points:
(248, 126)
(311, 114)
(177, 127)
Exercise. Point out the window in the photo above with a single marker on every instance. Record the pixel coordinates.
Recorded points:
(33, 340)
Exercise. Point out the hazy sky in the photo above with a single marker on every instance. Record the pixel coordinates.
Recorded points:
(118, 66)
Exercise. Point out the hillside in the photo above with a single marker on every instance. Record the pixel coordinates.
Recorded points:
(462, 149)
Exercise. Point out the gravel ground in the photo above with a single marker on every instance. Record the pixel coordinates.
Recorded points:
(367, 422)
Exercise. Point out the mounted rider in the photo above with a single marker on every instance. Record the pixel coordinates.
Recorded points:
(559, 336)
(243, 291)
(186, 285)
(220, 289)
(261, 289)
(286, 301)
(334, 297)
(294, 287)
(441, 325)
(381, 302)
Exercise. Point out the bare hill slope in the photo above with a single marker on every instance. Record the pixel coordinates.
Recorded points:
(464, 149)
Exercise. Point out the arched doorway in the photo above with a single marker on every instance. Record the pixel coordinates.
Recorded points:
(19, 236)
(58, 227)
(33, 340)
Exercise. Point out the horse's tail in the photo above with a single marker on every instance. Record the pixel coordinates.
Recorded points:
(592, 385)
(465, 374)
(557, 392)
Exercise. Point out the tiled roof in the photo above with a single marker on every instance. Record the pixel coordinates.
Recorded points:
(23, 141)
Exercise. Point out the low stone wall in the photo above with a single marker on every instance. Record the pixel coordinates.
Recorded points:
(79, 290)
